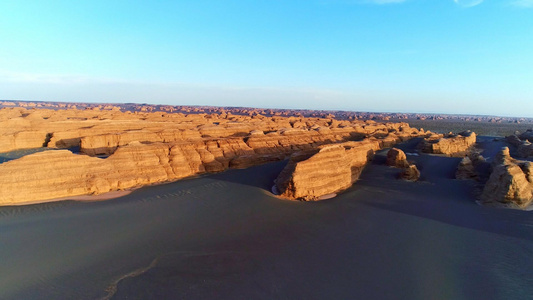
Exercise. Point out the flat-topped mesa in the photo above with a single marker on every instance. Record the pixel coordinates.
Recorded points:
(331, 169)
(510, 183)
(449, 144)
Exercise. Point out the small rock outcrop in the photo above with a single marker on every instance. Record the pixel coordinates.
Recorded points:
(449, 144)
(510, 183)
(522, 142)
(335, 167)
(411, 173)
(466, 170)
(397, 158)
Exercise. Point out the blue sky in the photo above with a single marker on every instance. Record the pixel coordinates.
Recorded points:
(441, 56)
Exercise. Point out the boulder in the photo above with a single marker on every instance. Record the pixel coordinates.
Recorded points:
(397, 158)
(410, 173)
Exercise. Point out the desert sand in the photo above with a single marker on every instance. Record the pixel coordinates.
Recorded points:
(226, 236)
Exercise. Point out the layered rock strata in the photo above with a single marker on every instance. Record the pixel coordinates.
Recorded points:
(449, 144)
(510, 183)
(61, 173)
(146, 148)
(98, 132)
(333, 168)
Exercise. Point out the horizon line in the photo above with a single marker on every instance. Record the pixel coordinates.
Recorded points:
(278, 108)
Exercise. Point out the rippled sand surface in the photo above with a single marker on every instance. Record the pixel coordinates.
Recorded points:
(225, 236)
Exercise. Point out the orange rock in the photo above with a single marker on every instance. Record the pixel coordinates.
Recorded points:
(511, 181)
(151, 147)
(333, 168)
(397, 158)
(450, 144)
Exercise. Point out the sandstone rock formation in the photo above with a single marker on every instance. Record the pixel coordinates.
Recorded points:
(100, 132)
(522, 142)
(335, 167)
(510, 183)
(410, 173)
(466, 170)
(449, 144)
(150, 147)
(397, 158)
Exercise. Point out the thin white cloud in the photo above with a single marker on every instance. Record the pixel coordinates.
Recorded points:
(468, 3)
(523, 3)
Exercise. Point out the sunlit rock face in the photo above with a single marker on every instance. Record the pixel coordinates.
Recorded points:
(333, 168)
(511, 181)
(142, 148)
(397, 158)
(449, 144)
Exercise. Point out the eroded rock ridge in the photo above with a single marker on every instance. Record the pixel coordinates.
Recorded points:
(140, 148)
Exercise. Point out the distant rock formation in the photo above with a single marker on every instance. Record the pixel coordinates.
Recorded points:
(101, 132)
(510, 183)
(522, 142)
(410, 173)
(333, 168)
(449, 144)
(397, 158)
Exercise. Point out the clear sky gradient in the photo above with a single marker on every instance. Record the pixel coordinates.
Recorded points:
(440, 56)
